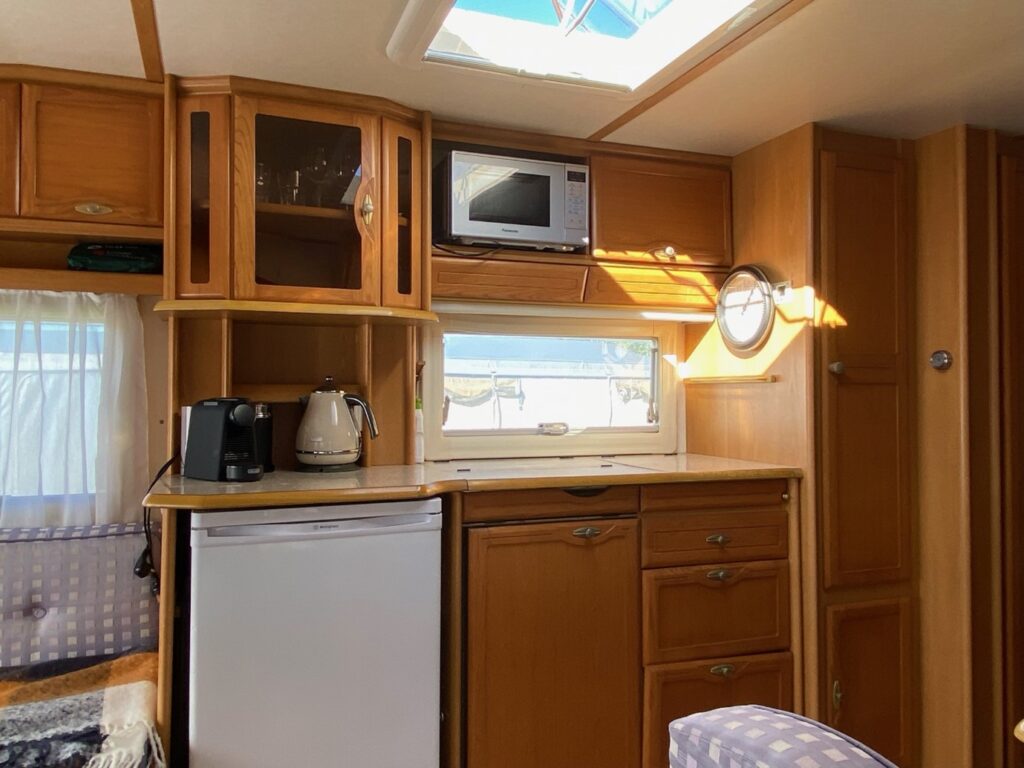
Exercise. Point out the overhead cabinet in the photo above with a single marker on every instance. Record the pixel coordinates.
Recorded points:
(656, 210)
(90, 155)
(10, 113)
(295, 201)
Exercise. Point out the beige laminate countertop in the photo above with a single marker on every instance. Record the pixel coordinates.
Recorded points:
(413, 481)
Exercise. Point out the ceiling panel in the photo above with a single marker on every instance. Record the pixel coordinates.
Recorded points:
(95, 36)
(340, 44)
(901, 68)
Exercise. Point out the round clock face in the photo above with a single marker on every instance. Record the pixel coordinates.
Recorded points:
(746, 309)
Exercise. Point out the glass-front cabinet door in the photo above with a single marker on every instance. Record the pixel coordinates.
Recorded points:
(307, 221)
(401, 257)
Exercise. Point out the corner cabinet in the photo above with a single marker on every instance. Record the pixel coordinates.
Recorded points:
(296, 201)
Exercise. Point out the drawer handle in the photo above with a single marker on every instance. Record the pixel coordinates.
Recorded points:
(723, 670)
(586, 532)
(94, 209)
(837, 696)
(718, 538)
(722, 574)
(586, 491)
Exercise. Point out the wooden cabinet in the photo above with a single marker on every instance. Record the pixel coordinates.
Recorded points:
(91, 155)
(689, 538)
(10, 112)
(660, 210)
(549, 503)
(481, 279)
(865, 420)
(672, 691)
(713, 610)
(553, 659)
(869, 661)
(644, 286)
(402, 209)
(305, 194)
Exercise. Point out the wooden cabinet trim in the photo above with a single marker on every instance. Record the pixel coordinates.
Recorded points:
(693, 537)
(729, 494)
(547, 503)
(10, 147)
(728, 607)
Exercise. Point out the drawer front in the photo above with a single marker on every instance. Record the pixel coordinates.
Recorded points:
(715, 610)
(453, 278)
(690, 538)
(543, 503)
(672, 691)
(716, 495)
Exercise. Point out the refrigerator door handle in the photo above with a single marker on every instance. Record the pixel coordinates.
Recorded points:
(321, 529)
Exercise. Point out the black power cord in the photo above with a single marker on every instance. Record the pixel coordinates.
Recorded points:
(145, 565)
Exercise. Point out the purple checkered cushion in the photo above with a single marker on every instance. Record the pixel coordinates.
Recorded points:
(762, 737)
(69, 592)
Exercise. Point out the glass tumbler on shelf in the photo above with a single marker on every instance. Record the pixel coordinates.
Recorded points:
(262, 183)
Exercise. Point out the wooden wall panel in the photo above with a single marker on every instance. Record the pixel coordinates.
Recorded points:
(10, 112)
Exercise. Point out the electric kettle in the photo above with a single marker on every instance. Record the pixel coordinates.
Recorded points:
(329, 434)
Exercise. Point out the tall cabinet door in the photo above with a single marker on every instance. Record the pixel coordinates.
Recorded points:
(553, 635)
(865, 490)
(868, 651)
(306, 203)
(10, 109)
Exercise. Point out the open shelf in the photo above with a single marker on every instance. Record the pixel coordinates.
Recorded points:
(80, 280)
(282, 393)
(24, 228)
(294, 313)
(310, 211)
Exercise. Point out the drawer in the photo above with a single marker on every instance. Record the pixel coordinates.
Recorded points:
(672, 691)
(715, 495)
(454, 278)
(690, 538)
(651, 286)
(542, 503)
(704, 611)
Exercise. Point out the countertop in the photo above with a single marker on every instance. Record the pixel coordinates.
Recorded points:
(413, 481)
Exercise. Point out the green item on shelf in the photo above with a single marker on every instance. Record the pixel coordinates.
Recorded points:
(109, 257)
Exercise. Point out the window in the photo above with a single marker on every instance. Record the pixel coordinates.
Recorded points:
(528, 387)
(72, 409)
(615, 43)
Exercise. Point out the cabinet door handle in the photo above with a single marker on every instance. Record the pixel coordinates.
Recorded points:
(586, 491)
(722, 670)
(718, 538)
(586, 532)
(367, 210)
(837, 695)
(837, 368)
(93, 209)
(722, 574)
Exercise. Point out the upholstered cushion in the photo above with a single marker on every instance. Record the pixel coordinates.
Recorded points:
(69, 592)
(762, 737)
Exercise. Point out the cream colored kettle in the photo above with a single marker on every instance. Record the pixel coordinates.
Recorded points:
(329, 433)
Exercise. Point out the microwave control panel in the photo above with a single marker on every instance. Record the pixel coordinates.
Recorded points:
(576, 202)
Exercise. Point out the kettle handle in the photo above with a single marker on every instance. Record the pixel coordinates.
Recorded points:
(371, 421)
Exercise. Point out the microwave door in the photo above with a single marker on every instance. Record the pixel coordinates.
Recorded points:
(504, 199)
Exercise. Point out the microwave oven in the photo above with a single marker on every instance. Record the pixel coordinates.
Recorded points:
(492, 200)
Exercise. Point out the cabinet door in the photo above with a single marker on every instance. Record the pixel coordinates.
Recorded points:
(307, 219)
(10, 109)
(91, 155)
(660, 210)
(402, 245)
(553, 645)
(714, 610)
(869, 674)
(202, 252)
(672, 691)
(865, 425)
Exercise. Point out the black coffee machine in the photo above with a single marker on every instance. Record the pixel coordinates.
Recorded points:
(221, 442)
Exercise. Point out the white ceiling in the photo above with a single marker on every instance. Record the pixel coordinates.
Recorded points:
(94, 35)
(890, 67)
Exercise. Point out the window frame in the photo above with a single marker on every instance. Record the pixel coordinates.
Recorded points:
(594, 441)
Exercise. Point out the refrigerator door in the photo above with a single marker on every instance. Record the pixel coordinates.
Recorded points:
(316, 642)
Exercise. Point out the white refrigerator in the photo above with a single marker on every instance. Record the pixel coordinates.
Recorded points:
(315, 637)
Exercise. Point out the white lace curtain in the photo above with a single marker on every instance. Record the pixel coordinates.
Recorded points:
(72, 409)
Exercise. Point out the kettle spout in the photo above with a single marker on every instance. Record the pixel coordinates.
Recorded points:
(371, 420)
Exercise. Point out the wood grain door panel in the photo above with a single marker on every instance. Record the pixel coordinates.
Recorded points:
(869, 666)
(865, 415)
(715, 610)
(642, 207)
(10, 146)
(689, 538)
(651, 287)
(553, 660)
(487, 280)
(540, 503)
(401, 241)
(672, 691)
(84, 148)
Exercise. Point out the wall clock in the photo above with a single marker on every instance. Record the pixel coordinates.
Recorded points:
(746, 309)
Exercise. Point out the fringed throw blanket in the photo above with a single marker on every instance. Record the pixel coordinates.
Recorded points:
(80, 713)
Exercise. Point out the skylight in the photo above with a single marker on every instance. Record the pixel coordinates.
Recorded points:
(617, 43)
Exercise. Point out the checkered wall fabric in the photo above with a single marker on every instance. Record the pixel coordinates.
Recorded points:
(762, 737)
(68, 592)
